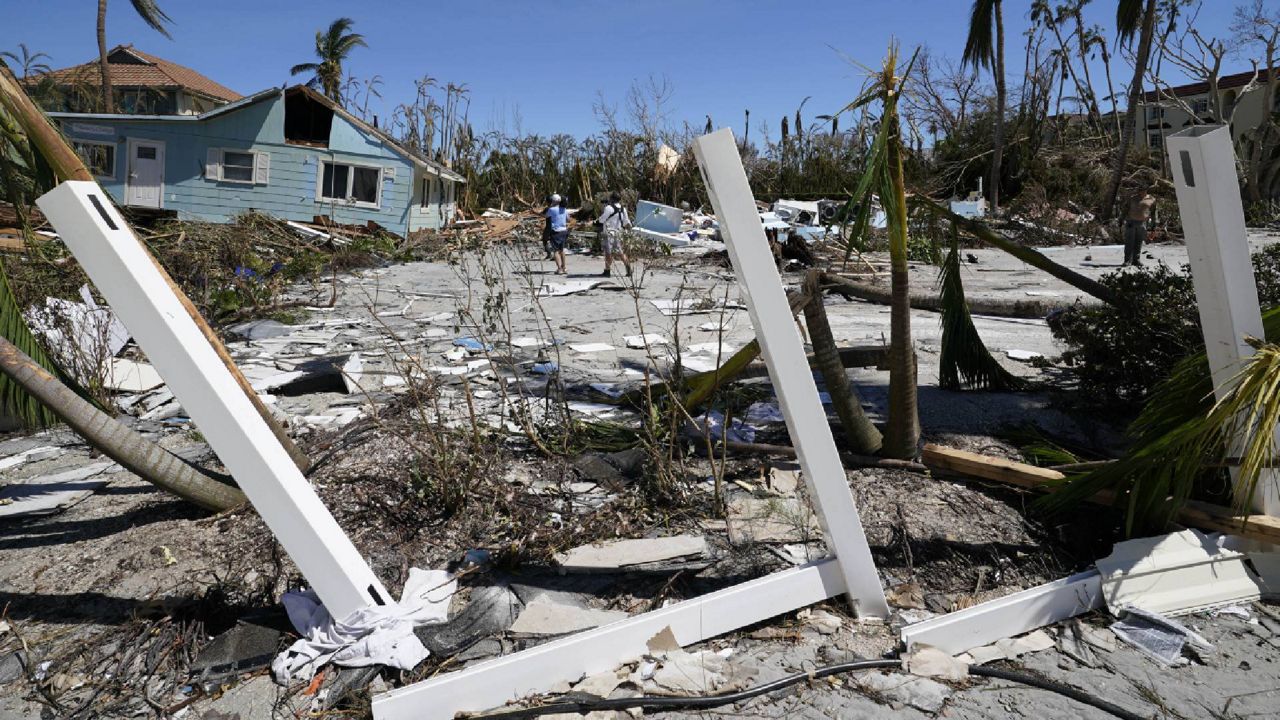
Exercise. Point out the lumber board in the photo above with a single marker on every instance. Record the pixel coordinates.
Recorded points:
(1206, 516)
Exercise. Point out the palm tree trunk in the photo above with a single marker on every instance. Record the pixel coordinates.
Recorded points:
(108, 102)
(140, 456)
(861, 434)
(1111, 90)
(997, 155)
(1131, 114)
(903, 431)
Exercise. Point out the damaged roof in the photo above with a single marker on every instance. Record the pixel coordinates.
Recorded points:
(132, 68)
(436, 168)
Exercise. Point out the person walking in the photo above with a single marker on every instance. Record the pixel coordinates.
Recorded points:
(546, 227)
(1135, 224)
(558, 219)
(613, 220)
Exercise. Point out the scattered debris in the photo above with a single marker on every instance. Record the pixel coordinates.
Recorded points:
(1175, 574)
(1157, 637)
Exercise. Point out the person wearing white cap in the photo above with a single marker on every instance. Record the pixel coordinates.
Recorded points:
(558, 219)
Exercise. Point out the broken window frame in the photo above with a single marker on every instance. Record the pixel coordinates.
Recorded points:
(223, 164)
(347, 196)
(82, 146)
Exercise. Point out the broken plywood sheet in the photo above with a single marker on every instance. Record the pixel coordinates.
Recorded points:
(548, 618)
(52, 493)
(621, 555)
(1175, 574)
(129, 376)
(771, 520)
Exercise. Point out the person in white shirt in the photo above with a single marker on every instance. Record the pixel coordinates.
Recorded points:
(613, 220)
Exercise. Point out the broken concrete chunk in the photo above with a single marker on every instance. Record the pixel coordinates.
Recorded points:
(619, 555)
(546, 618)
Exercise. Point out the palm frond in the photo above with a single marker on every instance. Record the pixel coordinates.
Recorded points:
(303, 68)
(1182, 440)
(14, 400)
(153, 16)
(1129, 18)
(979, 46)
(965, 362)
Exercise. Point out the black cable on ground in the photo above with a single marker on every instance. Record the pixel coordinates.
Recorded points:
(662, 702)
(1057, 687)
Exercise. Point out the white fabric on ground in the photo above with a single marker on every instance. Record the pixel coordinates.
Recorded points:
(376, 635)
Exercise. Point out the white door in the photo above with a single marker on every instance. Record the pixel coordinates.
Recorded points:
(145, 187)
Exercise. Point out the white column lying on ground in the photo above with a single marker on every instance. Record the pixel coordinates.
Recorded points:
(124, 273)
(1204, 172)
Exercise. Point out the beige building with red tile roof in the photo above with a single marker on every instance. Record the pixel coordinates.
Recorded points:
(143, 85)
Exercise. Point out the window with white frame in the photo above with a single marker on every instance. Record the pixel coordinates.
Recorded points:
(237, 166)
(99, 157)
(1200, 106)
(344, 182)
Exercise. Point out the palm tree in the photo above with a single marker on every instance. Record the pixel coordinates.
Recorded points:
(31, 63)
(985, 47)
(883, 177)
(1133, 17)
(332, 48)
(151, 14)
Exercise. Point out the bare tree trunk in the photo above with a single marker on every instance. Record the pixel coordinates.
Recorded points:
(108, 102)
(997, 156)
(862, 435)
(142, 457)
(1108, 204)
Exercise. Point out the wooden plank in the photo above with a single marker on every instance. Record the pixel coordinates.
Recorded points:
(141, 296)
(1205, 516)
(511, 677)
(989, 468)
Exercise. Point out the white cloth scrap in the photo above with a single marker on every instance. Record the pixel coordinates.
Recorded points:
(375, 635)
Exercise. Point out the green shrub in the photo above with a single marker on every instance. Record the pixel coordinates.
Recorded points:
(1119, 353)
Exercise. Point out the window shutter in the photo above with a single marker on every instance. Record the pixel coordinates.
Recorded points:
(212, 158)
(261, 168)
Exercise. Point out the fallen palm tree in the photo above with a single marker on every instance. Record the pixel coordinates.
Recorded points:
(144, 458)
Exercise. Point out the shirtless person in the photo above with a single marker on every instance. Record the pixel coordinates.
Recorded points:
(1135, 224)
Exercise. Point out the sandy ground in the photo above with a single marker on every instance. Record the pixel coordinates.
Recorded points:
(129, 562)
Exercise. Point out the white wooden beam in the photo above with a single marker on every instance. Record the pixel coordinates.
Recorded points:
(730, 193)
(123, 272)
(511, 677)
(1011, 615)
(1204, 175)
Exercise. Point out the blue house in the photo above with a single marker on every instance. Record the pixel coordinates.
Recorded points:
(290, 153)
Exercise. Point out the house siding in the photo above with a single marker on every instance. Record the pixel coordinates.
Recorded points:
(291, 189)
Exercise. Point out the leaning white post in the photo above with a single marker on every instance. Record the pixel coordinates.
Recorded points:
(852, 572)
(124, 273)
(730, 193)
(1204, 173)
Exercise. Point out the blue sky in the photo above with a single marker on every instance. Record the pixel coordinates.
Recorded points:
(550, 60)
